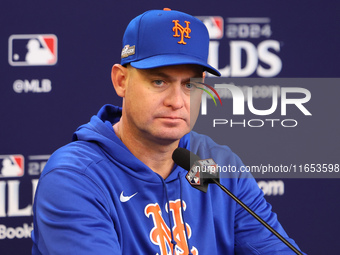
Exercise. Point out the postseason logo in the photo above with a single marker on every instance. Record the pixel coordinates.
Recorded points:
(32, 50)
(14, 199)
(243, 46)
(11, 166)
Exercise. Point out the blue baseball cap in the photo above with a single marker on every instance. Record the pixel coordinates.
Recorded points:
(166, 37)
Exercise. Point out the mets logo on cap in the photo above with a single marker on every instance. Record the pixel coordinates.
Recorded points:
(183, 31)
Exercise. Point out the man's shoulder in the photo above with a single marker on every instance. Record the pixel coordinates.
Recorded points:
(205, 147)
(201, 142)
(76, 156)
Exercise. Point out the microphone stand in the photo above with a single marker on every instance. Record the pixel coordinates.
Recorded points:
(257, 217)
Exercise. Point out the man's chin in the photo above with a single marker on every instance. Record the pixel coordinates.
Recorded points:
(170, 137)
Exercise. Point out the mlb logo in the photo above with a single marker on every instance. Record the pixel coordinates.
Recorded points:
(32, 50)
(193, 176)
(215, 26)
(11, 166)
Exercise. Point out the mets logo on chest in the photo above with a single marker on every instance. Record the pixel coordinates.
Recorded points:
(160, 234)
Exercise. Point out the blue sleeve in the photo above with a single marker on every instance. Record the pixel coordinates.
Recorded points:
(68, 208)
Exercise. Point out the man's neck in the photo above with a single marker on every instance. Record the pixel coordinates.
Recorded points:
(156, 155)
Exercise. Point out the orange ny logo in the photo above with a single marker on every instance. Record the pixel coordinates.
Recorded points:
(161, 235)
(184, 31)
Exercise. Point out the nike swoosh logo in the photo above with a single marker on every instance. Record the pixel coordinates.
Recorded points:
(124, 199)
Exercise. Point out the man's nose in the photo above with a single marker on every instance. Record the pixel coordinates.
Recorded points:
(175, 97)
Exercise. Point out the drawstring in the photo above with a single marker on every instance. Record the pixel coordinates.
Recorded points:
(182, 212)
(173, 242)
(169, 214)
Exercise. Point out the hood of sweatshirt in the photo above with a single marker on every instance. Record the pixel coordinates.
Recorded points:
(100, 131)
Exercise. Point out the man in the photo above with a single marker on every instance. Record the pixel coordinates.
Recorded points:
(115, 188)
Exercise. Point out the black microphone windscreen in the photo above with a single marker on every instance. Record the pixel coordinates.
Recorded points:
(184, 158)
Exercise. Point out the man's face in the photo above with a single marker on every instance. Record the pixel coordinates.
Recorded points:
(156, 104)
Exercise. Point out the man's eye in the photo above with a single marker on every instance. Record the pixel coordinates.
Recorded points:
(189, 85)
(158, 82)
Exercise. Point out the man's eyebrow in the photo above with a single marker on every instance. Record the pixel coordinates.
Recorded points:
(157, 73)
(161, 74)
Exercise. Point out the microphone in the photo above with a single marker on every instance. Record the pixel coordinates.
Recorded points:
(201, 172)
(192, 163)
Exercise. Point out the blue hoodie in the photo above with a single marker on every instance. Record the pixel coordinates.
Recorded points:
(95, 197)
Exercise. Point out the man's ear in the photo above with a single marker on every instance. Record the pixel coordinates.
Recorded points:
(119, 79)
